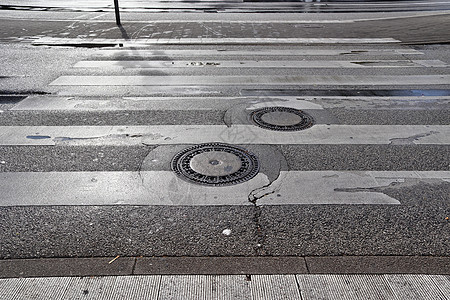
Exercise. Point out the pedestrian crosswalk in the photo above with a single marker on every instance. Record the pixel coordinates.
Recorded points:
(389, 126)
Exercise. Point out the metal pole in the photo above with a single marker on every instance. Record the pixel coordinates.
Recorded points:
(116, 9)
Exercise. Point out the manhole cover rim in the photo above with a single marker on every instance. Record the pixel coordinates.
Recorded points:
(250, 165)
(307, 121)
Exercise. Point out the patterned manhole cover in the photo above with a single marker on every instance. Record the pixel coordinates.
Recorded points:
(215, 164)
(282, 118)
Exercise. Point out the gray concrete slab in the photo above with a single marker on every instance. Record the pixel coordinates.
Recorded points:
(443, 284)
(226, 287)
(378, 265)
(136, 287)
(277, 287)
(33, 288)
(418, 287)
(204, 287)
(344, 287)
(214, 265)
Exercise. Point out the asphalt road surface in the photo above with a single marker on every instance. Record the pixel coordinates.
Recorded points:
(92, 116)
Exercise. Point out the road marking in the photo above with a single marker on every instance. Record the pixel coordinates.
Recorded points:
(269, 18)
(165, 188)
(143, 64)
(248, 80)
(309, 51)
(236, 134)
(215, 41)
(49, 103)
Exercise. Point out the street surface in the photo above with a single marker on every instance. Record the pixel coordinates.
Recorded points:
(93, 115)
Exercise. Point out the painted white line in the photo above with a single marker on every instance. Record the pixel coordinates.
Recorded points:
(215, 41)
(248, 80)
(142, 64)
(116, 188)
(46, 103)
(306, 51)
(269, 18)
(236, 134)
(335, 187)
(165, 188)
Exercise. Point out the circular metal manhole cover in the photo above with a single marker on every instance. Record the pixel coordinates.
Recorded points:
(282, 118)
(215, 164)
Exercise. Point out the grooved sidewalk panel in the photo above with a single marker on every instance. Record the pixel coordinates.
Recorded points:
(258, 287)
(120, 287)
(204, 287)
(415, 287)
(275, 287)
(354, 287)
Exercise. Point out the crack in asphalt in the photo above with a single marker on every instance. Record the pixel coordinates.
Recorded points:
(253, 198)
(142, 163)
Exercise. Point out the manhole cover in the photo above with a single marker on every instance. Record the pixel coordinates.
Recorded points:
(215, 164)
(282, 118)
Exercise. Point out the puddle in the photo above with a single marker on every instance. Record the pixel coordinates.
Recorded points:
(7, 99)
(80, 45)
(384, 63)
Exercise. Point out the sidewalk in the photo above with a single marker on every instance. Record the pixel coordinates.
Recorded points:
(417, 287)
(364, 277)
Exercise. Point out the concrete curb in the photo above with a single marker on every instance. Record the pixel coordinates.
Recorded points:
(110, 266)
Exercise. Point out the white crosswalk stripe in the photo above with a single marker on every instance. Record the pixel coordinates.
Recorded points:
(260, 64)
(165, 188)
(237, 134)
